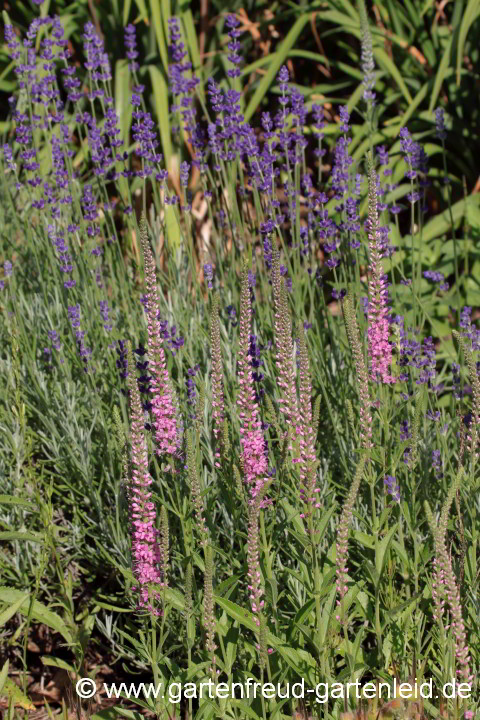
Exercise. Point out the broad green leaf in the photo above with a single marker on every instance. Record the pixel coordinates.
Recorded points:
(293, 516)
(277, 60)
(441, 224)
(404, 605)
(160, 92)
(123, 105)
(39, 611)
(236, 612)
(367, 541)
(472, 216)
(10, 611)
(127, 4)
(382, 550)
(12, 692)
(57, 662)
(3, 675)
(12, 500)
(18, 535)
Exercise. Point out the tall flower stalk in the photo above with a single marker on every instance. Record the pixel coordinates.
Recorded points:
(284, 354)
(146, 550)
(309, 462)
(163, 408)
(342, 538)
(367, 63)
(361, 372)
(379, 347)
(255, 464)
(254, 459)
(473, 368)
(218, 401)
(446, 590)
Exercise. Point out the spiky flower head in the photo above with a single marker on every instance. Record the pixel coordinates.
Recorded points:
(367, 63)
(251, 436)
(146, 550)
(379, 347)
(163, 408)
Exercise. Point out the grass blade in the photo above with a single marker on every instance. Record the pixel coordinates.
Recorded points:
(277, 60)
(440, 76)
(471, 14)
(159, 32)
(389, 66)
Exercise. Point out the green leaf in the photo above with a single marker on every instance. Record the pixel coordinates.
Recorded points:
(244, 617)
(3, 675)
(12, 609)
(159, 32)
(382, 550)
(39, 611)
(12, 692)
(160, 92)
(277, 60)
(18, 535)
(114, 608)
(57, 662)
(123, 105)
(12, 500)
(441, 224)
(127, 4)
(367, 541)
(441, 72)
(385, 62)
(419, 98)
(192, 42)
(404, 605)
(471, 13)
(142, 8)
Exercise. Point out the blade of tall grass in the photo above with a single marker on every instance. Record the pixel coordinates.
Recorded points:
(159, 32)
(193, 48)
(471, 14)
(126, 11)
(142, 9)
(385, 62)
(277, 61)
(160, 93)
(123, 106)
(441, 74)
